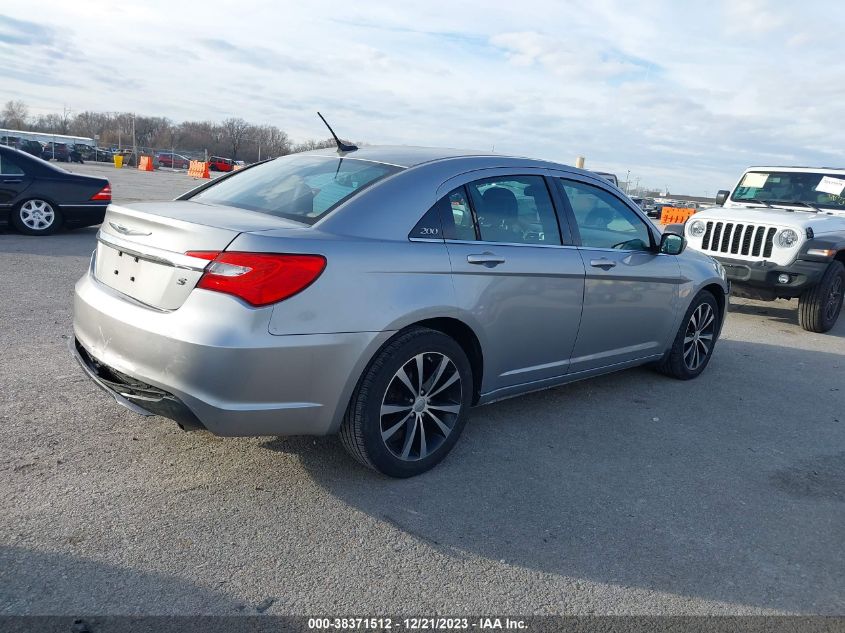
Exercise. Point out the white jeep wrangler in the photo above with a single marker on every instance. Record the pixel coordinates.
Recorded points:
(780, 234)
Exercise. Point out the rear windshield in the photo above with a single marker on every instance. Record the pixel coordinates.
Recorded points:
(301, 188)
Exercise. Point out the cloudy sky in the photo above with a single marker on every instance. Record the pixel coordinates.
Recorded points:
(681, 94)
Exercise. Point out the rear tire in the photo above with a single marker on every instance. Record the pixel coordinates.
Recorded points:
(819, 307)
(693, 345)
(37, 217)
(410, 405)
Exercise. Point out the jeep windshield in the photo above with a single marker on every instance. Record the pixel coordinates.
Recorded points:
(792, 188)
(302, 188)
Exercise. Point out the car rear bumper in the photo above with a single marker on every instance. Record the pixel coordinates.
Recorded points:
(214, 364)
(84, 214)
(759, 280)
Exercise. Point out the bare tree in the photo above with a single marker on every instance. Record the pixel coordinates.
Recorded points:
(314, 144)
(233, 136)
(15, 114)
(274, 142)
(235, 131)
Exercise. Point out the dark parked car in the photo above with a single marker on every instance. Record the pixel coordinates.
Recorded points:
(38, 197)
(31, 147)
(174, 161)
(103, 155)
(57, 151)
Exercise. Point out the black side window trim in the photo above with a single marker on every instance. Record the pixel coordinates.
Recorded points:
(471, 205)
(570, 215)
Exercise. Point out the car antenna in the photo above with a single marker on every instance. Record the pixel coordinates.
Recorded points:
(341, 146)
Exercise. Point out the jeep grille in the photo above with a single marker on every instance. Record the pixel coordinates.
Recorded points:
(734, 238)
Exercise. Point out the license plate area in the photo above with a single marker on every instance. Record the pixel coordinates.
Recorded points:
(153, 283)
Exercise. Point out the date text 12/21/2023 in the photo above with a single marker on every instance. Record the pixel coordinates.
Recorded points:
(416, 623)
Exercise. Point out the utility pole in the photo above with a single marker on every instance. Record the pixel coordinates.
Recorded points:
(134, 141)
(627, 177)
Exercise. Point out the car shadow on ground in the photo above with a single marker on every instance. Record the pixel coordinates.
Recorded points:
(662, 491)
(40, 583)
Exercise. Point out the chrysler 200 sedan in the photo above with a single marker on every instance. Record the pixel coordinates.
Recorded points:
(381, 293)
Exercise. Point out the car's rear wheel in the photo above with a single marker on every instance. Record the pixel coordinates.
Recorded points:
(693, 345)
(411, 404)
(819, 307)
(37, 217)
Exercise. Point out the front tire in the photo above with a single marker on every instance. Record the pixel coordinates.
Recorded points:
(37, 217)
(410, 405)
(693, 345)
(819, 307)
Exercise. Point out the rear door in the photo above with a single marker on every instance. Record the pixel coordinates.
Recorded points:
(631, 294)
(515, 273)
(13, 180)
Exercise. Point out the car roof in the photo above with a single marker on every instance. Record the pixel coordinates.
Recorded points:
(794, 168)
(411, 156)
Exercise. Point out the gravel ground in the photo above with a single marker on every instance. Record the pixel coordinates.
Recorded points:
(631, 493)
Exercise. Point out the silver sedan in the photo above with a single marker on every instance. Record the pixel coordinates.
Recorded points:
(381, 293)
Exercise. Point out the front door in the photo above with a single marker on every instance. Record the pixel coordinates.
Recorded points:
(631, 293)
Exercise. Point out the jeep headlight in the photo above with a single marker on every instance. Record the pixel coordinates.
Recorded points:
(787, 238)
(696, 228)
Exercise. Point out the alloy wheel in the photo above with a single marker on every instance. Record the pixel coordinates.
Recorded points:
(698, 338)
(37, 215)
(421, 406)
(834, 299)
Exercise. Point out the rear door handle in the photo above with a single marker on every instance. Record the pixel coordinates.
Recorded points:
(602, 263)
(12, 180)
(485, 259)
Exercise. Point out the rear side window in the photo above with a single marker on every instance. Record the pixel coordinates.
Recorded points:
(514, 209)
(8, 168)
(301, 188)
(451, 217)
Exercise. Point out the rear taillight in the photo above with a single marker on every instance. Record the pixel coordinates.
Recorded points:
(259, 278)
(103, 194)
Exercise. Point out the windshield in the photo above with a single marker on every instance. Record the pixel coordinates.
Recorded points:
(797, 188)
(302, 188)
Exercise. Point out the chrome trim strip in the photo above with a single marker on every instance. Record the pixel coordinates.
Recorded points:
(155, 255)
(481, 243)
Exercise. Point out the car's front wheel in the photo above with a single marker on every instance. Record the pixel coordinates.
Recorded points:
(819, 307)
(693, 345)
(410, 405)
(37, 217)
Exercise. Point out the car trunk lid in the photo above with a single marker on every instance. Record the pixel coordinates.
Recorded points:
(141, 247)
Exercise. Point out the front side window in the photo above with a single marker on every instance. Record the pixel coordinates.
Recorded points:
(514, 209)
(300, 188)
(801, 189)
(603, 220)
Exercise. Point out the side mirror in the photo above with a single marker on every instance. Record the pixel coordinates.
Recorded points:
(721, 197)
(671, 244)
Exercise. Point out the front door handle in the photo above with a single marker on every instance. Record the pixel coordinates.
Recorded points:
(604, 263)
(485, 259)
(12, 180)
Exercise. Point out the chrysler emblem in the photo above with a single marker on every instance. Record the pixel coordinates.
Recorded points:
(125, 230)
